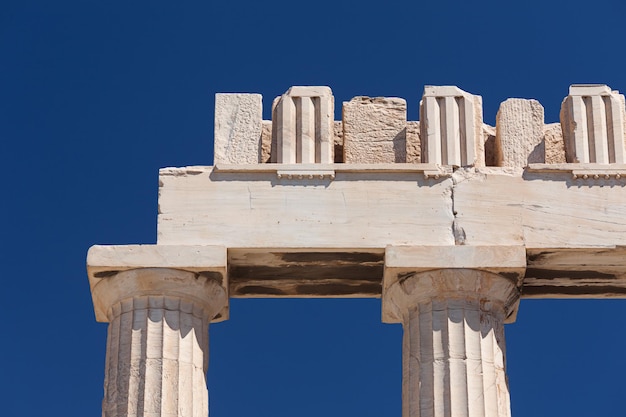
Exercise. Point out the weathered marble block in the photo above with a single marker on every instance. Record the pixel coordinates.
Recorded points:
(374, 130)
(237, 128)
(489, 141)
(303, 121)
(338, 140)
(451, 125)
(266, 142)
(413, 143)
(555, 148)
(519, 133)
(592, 119)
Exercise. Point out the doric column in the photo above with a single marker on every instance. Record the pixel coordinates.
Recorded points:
(157, 346)
(453, 347)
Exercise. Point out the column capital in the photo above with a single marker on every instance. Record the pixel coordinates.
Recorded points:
(196, 274)
(489, 274)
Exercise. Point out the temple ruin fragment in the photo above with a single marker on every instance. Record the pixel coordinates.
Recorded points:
(447, 220)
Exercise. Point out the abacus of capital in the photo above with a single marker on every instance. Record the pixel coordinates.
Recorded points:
(448, 220)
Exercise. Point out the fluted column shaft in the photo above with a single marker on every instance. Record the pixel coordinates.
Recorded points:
(157, 345)
(453, 347)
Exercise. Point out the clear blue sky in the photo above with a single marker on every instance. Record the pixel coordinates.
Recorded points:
(96, 96)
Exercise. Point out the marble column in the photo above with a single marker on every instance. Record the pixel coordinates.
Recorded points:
(157, 346)
(453, 347)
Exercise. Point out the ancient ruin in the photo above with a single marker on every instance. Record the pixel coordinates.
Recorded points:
(447, 220)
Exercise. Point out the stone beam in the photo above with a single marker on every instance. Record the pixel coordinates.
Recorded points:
(308, 273)
(354, 211)
(354, 272)
(276, 205)
(576, 273)
(543, 206)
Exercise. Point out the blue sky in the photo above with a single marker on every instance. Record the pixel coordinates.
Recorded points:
(96, 96)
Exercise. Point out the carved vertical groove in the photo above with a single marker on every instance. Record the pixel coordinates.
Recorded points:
(442, 133)
(305, 131)
(324, 131)
(171, 343)
(470, 118)
(286, 131)
(590, 133)
(112, 355)
(610, 129)
(452, 131)
(615, 121)
(200, 396)
(464, 146)
(185, 355)
(487, 352)
(431, 119)
(601, 138)
(579, 130)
